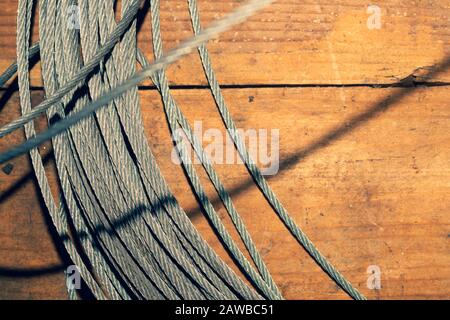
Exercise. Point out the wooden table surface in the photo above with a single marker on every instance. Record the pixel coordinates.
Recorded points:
(364, 122)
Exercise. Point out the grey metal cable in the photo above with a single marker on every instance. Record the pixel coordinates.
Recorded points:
(127, 18)
(174, 114)
(254, 170)
(107, 171)
(130, 124)
(183, 49)
(191, 293)
(58, 216)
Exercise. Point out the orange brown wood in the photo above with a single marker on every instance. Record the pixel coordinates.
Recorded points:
(365, 171)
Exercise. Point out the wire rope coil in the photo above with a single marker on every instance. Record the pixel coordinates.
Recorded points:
(107, 171)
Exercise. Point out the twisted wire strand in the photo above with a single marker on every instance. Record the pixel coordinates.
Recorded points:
(102, 177)
(136, 139)
(146, 241)
(255, 171)
(126, 20)
(173, 55)
(113, 169)
(58, 216)
(174, 115)
(164, 235)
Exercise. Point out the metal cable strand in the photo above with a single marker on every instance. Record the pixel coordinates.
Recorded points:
(131, 104)
(134, 185)
(256, 173)
(67, 64)
(174, 114)
(101, 171)
(183, 225)
(186, 47)
(127, 18)
(186, 292)
(76, 188)
(115, 194)
(64, 180)
(58, 216)
(131, 125)
(55, 62)
(171, 246)
(74, 260)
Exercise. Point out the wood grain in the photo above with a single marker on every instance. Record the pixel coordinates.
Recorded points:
(364, 171)
(296, 42)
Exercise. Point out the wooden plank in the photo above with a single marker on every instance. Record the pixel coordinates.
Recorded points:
(365, 172)
(30, 256)
(296, 42)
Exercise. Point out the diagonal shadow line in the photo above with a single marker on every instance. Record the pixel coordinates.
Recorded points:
(333, 135)
(30, 175)
(341, 130)
(111, 228)
(8, 92)
(30, 272)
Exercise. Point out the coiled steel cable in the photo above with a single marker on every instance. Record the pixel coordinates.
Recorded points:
(108, 172)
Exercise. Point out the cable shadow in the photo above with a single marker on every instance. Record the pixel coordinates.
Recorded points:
(338, 132)
(30, 175)
(129, 217)
(401, 90)
(8, 92)
(63, 256)
(30, 272)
